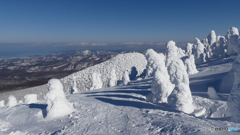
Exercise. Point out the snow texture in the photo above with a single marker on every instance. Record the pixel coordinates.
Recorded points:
(30, 98)
(113, 78)
(2, 103)
(190, 65)
(58, 105)
(12, 101)
(96, 81)
(212, 37)
(180, 53)
(212, 93)
(125, 78)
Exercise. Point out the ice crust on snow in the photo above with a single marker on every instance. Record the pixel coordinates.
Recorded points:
(58, 105)
(96, 81)
(12, 101)
(30, 98)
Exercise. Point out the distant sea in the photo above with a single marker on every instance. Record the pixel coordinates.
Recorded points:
(10, 51)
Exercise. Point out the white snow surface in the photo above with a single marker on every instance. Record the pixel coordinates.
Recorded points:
(212, 93)
(190, 65)
(113, 78)
(125, 110)
(2, 103)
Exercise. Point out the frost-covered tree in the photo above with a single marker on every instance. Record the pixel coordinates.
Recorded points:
(234, 96)
(96, 81)
(231, 38)
(199, 54)
(171, 52)
(190, 65)
(2, 103)
(58, 105)
(125, 77)
(12, 101)
(153, 61)
(113, 78)
(180, 53)
(74, 88)
(212, 38)
(181, 97)
(189, 48)
(30, 98)
(161, 84)
(212, 93)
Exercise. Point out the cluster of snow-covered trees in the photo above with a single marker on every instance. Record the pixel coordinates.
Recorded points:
(170, 82)
(213, 46)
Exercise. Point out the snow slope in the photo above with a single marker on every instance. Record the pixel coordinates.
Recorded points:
(120, 63)
(125, 109)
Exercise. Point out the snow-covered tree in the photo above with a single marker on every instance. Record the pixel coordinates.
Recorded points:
(190, 65)
(231, 38)
(2, 103)
(30, 98)
(199, 54)
(96, 81)
(180, 53)
(212, 38)
(181, 97)
(212, 93)
(153, 61)
(12, 101)
(58, 105)
(189, 48)
(125, 77)
(161, 84)
(74, 88)
(113, 78)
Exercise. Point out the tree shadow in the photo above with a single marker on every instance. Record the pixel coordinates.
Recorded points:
(43, 107)
(136, 104)
(118, 96)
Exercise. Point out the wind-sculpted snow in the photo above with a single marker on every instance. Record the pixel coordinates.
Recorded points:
(113, 78)
(199, 55)
(231, 37)
(96, 81)
(125, 78)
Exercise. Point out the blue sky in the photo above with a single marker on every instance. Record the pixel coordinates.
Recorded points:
(114, 21)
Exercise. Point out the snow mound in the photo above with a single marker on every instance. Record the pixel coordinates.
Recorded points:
(212, 93)
(30, 98)
(12, 101)
(58, 105)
